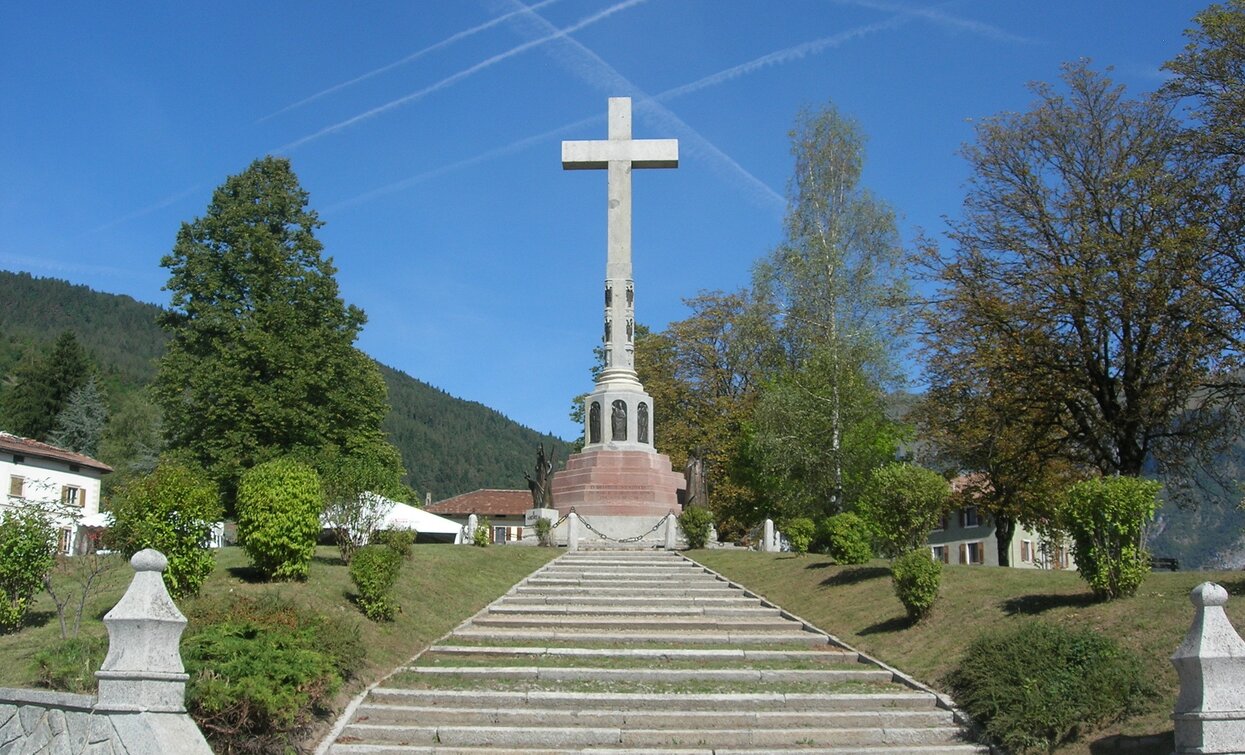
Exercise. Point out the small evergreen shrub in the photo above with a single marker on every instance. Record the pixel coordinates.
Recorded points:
(27, 554)
(695, 522)
(374, 571)
(544, 532)
(262, 670)
(915, 576)
(398, 541)
(800, 533)
(847, 538)
(1037, 686)
(279, 505)
(172, 510)
(1104, 517)
(70, 665)
(479, 538)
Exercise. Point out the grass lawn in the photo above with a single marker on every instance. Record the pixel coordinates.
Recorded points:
(858, 605)
(440, 586)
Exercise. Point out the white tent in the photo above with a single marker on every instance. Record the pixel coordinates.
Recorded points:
(430, 526)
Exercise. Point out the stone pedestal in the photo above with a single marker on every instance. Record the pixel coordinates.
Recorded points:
(601, 482)
(1209, 715)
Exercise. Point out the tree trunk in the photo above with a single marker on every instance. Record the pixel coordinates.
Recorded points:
(1004, 529)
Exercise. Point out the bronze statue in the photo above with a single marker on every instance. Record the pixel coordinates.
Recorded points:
(540, 485)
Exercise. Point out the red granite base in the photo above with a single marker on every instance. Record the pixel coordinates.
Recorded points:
(617, 483)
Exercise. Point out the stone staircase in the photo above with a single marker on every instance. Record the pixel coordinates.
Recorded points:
(643, 652)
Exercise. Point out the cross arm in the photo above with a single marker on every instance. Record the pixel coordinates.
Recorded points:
(641, 153)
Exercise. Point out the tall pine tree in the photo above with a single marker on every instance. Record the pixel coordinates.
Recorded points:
(261, 360)
(41, 386)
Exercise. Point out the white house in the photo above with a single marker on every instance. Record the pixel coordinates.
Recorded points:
(35, 473)
(966, 535)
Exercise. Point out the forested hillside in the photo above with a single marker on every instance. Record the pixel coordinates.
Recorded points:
(448, 445)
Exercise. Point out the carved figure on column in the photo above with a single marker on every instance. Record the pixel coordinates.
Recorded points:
(641, 422)
(594, 423)
(618, 420)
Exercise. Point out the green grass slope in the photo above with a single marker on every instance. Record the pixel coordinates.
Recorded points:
(858, 605)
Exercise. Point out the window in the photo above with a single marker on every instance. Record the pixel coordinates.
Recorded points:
(499, 534)
(1026, 551)
(19, 459)
(972, 553)
(968, 517)
(64, 539)
(17, 486)
(73, 496)
(942, 522)
(939, 552)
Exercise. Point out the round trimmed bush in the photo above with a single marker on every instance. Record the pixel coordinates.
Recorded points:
(172, 510)
(279, 505)
(800, 533)
(1039, 685)
(902, 503)
(915, 576)
(847, 538)
(695, 522)
(1104, 517)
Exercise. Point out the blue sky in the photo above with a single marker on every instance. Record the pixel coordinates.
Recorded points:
(428, 135)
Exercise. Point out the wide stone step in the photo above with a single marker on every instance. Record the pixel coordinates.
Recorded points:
(635, 621)
(590, 599)
(573, 587)
(397, 749)
(436, 715)
(507, 609)
(627, 701)
(596, 736)
(632, 635)
(655, 676)
(716, 655)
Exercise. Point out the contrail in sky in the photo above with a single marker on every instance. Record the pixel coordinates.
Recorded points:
(777, 57)
(450, 80)
(938, 16)
(145, 211)
(409, 58)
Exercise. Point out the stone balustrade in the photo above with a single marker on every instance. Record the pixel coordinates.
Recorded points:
(140, 708)
(1210, 710)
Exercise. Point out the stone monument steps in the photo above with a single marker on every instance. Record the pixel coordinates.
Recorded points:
(404, 749)
(590, 599)
(437, 715)
(655, 676)
(570, 609)
(635, 621)
(800, 637)
(575, 587)
(901, 699)
(718, 655)
(627, 575)
(612, 736)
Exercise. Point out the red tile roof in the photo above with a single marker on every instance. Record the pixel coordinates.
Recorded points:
(487, 502)
(14, 444)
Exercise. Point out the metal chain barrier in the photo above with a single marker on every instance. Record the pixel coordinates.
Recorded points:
(604, 536)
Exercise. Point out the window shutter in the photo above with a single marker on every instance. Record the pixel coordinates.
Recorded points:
(963, 553)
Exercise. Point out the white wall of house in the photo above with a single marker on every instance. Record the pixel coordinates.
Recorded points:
(27, 479)
(966, 537)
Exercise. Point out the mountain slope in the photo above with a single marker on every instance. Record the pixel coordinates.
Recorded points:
(448, 445)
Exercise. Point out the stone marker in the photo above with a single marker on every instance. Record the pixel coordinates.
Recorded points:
(1210, 710)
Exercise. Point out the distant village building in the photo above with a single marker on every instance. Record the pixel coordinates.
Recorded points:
(966, 535)
(504, 510)
(40, 474)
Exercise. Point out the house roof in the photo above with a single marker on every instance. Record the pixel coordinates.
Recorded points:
(487, 501)
(14, 444)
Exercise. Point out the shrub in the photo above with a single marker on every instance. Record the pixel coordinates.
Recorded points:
(915, 576)
(479, 538)
(902, 502)
(800, 533)
(172, 510)
(27, 554)
(695, 522)
(70, 665)
(279, 504)
(398, 541)
(261, 670)
(1034, 687)
(847, 538)
(374, 571)
(544, 532)
(1104, 517)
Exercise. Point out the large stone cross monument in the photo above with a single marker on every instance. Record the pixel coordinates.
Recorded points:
(619, 473)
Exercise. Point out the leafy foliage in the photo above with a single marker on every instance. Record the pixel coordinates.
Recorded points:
(171, 510)
(262, 670)
(1037, 686)
(1105, 517)
(847, 538)
(42, 386)
(70, 664)
(279, 504)
(800, 532)
(27, 554)
(544, 532)
(480, 538)
(374, 571)
(260, 362)
(695, 522)
(902, 503)
(357, 487)
(398, 541)
(916, 576)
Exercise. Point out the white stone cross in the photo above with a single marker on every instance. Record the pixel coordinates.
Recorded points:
(619, 154)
